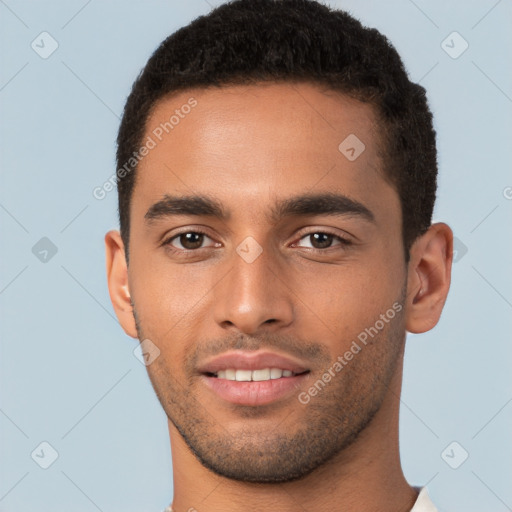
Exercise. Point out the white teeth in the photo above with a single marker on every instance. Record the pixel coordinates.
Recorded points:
(243, 375)
(276, 373)
(253, 375)
(229, 374)
(261, 374)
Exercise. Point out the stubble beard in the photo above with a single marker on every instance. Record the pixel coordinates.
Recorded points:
(308, 438)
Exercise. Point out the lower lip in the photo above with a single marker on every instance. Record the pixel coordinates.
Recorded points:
(254, 392)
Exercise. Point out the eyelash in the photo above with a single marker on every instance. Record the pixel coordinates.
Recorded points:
(187, 252)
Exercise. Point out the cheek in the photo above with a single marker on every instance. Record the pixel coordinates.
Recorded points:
(169, 297)
(343, 300)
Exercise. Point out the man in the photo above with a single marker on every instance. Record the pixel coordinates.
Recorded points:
(276, 178)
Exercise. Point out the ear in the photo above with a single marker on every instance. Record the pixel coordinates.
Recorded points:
(117, 277)
(429, 277)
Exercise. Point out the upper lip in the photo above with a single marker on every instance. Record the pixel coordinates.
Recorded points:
(243, 360)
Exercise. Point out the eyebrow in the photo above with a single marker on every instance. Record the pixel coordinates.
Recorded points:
(301, 205)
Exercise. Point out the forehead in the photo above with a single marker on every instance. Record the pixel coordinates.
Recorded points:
(251, 142)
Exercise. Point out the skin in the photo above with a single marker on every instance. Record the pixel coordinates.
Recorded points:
(248, 146)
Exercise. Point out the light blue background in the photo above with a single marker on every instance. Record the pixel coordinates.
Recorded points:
(68, 373)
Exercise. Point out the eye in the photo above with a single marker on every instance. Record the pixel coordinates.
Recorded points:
(188, 240)
(320, 240)
(193, 240)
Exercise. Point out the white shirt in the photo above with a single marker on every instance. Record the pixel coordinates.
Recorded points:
(423, 503)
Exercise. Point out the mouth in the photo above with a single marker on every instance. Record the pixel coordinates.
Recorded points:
(259, 375)
(253, 378)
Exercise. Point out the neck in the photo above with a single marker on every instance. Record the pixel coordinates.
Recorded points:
(365, 477)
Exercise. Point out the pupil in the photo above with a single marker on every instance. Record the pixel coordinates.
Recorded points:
(191, 240)
(326, 242)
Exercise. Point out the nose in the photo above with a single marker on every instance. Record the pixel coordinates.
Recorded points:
(253, 296)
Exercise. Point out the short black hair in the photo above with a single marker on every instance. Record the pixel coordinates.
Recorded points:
(254, 41)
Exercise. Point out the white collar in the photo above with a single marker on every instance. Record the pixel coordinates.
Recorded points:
(423, 502)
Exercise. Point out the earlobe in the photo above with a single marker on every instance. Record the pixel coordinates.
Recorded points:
(117, 278)
(429, 277)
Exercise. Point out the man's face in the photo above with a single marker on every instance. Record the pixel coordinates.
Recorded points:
(258, 283)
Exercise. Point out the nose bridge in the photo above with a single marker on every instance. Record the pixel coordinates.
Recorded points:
(251, 293)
